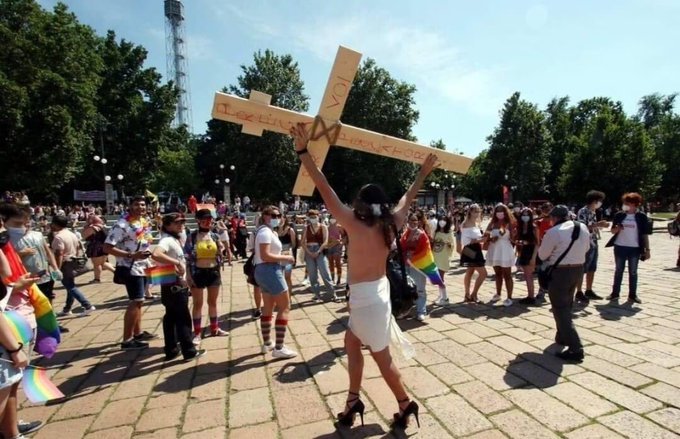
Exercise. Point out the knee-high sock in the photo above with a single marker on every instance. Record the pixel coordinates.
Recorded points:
(280, 327)
(213, 324)
(197, 326)
(266, 327)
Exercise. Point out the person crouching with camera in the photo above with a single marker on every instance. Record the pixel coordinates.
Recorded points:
(564, 248)
(177, 323)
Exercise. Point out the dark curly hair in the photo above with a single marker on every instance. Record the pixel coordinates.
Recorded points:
(372, 207)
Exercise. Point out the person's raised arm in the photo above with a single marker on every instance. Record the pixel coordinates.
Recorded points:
(333, 203)
(401, 210)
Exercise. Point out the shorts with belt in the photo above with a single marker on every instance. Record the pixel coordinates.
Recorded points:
(206, 277)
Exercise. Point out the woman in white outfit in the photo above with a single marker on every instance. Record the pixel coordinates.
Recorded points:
(369, 226)
(501, 255)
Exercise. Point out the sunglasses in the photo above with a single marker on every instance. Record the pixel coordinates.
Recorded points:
(277, 215)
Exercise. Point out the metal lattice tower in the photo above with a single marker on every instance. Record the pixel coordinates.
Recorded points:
(176, 58)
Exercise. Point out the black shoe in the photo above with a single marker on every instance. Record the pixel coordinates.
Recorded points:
(63, 329)
(590, 294)
(401, 420)
(634, 299)
(257, 314)
(347, 418)
(29, 427)
(580, 297)
(133, 345)
(198, 353)
(527, 301)
(172, 355)
(145, 335)
(570, 356)
(613, 296)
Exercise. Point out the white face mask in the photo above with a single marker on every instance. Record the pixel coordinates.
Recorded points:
(598, 204)
(314, 221)
(442, 223)
(628, 208)
(500, 215)
(274, 222)
(526, 218)
(410, 227)
(333, 221)
(516, 209)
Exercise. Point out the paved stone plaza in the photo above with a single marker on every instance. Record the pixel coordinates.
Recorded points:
(481, 371)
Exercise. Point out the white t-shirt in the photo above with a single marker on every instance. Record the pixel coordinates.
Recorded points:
(172, 248)
(265, 235)
(628, 236)
(468, 234)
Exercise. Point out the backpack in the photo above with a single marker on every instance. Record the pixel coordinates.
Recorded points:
(674, 228)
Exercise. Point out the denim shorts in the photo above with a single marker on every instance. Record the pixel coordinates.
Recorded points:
(591, 259)
(136, 286)
(269, 276)
(9, 374)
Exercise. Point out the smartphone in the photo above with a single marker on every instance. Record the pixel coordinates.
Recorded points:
(41, 273)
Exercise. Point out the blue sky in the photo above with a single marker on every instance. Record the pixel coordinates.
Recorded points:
(465, 58)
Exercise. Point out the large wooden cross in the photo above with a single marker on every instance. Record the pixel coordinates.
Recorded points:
(256, 115)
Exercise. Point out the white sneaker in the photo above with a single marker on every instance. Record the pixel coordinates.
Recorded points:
(507, 302)
(496, 298)
(267, 347)
(305, 282)
(65, 313)
(442, 301)
(196, 340)
(421, 317)
(317, 298)
(88, 311)
(284, 352)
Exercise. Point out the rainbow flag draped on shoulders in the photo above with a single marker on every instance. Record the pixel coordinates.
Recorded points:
(422, 260)
(47, 337)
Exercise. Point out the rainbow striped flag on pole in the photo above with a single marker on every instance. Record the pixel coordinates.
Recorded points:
(37, 385)
(423, 261)
(162, 274)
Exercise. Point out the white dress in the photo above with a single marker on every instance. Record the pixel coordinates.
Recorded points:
(501, 253)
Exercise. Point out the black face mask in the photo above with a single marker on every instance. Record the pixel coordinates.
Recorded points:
(4, 238)
(202, 230)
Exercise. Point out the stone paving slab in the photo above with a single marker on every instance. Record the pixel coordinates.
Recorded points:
(481, 371)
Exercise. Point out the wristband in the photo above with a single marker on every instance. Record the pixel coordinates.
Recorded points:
(21, 346)
(303, 151)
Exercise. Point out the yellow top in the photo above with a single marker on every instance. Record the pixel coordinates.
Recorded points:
(206, 249)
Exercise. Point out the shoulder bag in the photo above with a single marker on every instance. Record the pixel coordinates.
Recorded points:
(403, 291)
(544, 272)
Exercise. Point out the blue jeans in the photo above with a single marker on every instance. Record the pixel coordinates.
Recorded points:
(318, 266)
(621, 256)
(72, 292)
(421, 282)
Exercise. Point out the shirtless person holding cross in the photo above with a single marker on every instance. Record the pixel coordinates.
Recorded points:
(369, 226)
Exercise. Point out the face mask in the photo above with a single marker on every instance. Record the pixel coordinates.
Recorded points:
(333, 221)
(314, 221)
(4, 238)
(17, 231)
(526, 218)
(274, 223)
(627, 207)
(442, 223)
(203, 230)
(500, 215)
(410, 227)
(516, 210)
(598, 204)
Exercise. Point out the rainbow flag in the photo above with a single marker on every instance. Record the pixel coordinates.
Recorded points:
(37, 385)
(423, 260)
(47, 337)
(19, 326)
(162, 274)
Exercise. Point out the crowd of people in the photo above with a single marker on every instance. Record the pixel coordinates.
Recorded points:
(554, 248)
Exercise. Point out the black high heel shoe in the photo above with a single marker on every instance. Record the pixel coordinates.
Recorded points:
(347, 418)
(401, 420)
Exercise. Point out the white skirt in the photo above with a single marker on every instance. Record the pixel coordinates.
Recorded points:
(371, 319)
(500, 254)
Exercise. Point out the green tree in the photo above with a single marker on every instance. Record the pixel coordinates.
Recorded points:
(135, 113)
(380, 103)
(517, 155)
(49, 78)
(656, 112)
(611, 152)
(176, 171)
(266, 167)
(558, 123)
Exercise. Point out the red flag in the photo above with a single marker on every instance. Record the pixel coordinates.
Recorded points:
(506, 194)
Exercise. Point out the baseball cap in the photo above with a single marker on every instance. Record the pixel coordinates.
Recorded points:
(203, 213)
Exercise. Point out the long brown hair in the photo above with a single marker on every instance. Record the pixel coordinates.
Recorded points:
(371, 207)
(509, 220)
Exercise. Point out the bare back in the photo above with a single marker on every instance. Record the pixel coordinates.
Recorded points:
(367, 252)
